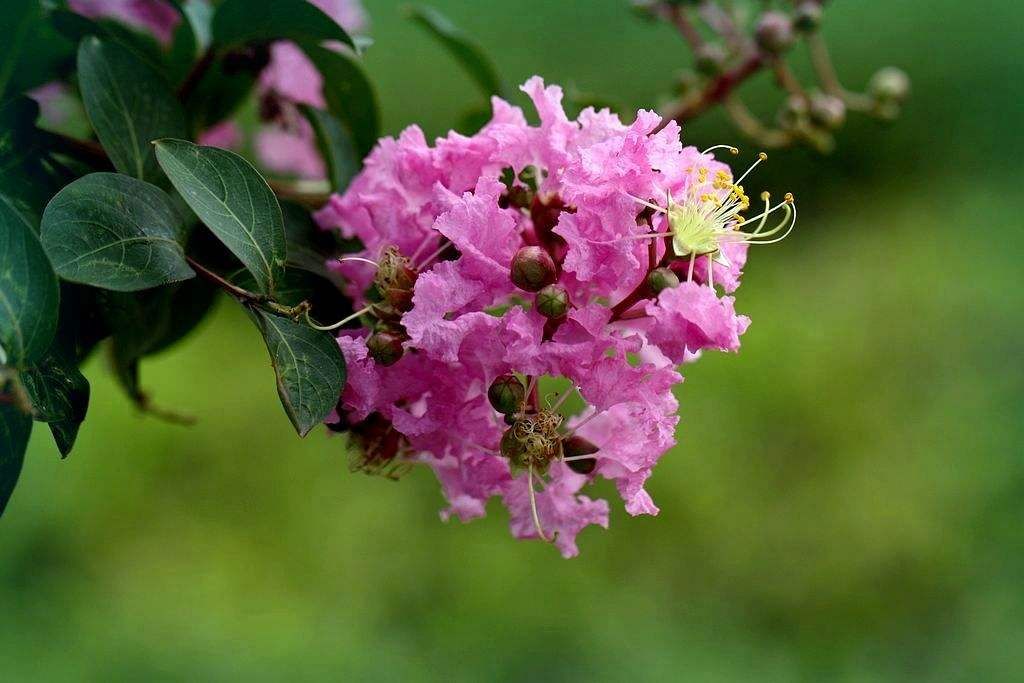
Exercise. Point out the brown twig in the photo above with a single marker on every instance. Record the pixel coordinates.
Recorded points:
(195, 74)
(716, 91)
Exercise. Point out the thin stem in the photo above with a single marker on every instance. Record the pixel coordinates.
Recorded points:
(715, 92)
(426, 261)
(749, 125)
(232, 289)
(86, 151)
(823, 68)
(195, 74)
(533, 507)
(690, 34)
(310, 193)
(346, 319)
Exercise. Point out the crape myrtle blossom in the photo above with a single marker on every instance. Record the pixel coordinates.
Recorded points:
(587, 250)
(287, 143)
(156, 17)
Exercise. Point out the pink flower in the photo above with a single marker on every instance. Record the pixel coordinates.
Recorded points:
(152, 16)
(226, 135)
(594, 195)
(291, 79)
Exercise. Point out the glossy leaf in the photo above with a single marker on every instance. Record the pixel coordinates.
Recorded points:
(29, 297)
(466, 51)
(243, 21)
(233, 200)
(15, 428)
(309, 365)
(59, 394)
(336, 146)
(129, 105)
(309, 246)
(349, 95)
(115, 232)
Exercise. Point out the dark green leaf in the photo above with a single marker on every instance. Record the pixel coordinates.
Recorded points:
(309, 246)
(349, 95)
(112, 231)
(222, 89)
(142, 45)
(29, 297)
(129, 105)
(17, 17)
(15, 427)
(233, 200)
(336, 146)
(22, 173)
(309, 365)
(145, 323)
(465, 50)
(243, 21)
(59, 394)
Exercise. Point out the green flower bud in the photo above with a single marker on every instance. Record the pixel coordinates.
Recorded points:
(533, 269)
(552, 302)
(807, 17)
(506, 394)
(774, 32)
(710, 59)
(890, 85)
(385, 346)
(661, 279)
(576, 446)
(827, 111)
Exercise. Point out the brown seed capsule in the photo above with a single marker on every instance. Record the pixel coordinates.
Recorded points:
(661, 279)
(553, 302)
(506, 394)
(532, 269)
(512, 448)
(385, 347)
(774, 32)
(807, 16)
(827, 111)
(576, 446)
(710, 59)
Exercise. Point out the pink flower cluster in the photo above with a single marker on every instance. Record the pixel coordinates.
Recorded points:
(460, 214)
(286, 143)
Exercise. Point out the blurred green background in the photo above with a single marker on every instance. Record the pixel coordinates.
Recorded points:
(845, 503)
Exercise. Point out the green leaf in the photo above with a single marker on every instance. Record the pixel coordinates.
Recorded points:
(309, 365)
(18, 18)
(466, 51)
(129, 105)
(59, 394)
(143, 46)
(309, 245)
(112, 231)
(15, 427)
(145, 323)
(233, 200)
(29, 297)
(336, 146)
(348, 93)
(243, 21)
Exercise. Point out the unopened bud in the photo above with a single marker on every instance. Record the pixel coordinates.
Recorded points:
(828, 111)
(506, 394)
(807, 17)
(774, 32)
(532, 269)
(661, 279)
(553, 302)
(890, 85)
(710, 59)
(575, 446)
(385, 347)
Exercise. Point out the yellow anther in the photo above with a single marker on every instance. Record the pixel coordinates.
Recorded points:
(789, 198)
(765, 196)
(762, 156)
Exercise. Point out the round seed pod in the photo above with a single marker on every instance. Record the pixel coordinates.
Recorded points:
(661, 279)
(827, 111)
(807, 17)
(890, 85)
(533, 269)
(576, 446)
(774, 32)
(552, 302)
(506, 394)
(385, 347)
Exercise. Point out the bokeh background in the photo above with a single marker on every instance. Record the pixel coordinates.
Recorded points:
(845, 503)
